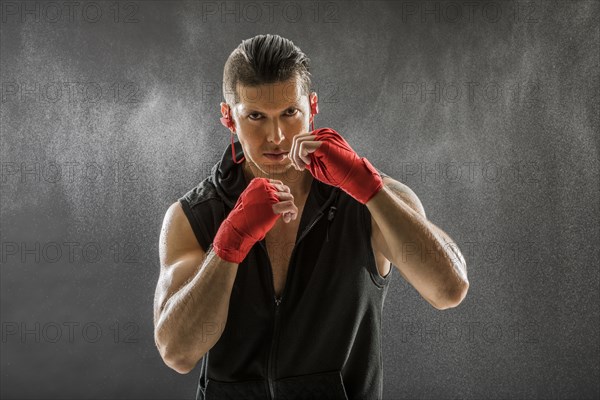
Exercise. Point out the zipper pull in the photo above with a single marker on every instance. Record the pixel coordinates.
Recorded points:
(329, 218)
(331, 213)
(277, 302)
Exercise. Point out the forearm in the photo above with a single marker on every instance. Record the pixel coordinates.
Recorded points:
(193, 319)
(418, 249)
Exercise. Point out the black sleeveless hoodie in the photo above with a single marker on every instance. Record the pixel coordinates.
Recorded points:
(322, 338)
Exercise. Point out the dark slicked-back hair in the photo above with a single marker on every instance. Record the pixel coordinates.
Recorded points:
(264, 59)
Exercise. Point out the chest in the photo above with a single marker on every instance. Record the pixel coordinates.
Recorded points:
(280, 242)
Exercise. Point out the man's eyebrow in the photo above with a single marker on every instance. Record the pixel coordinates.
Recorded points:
(255, 109)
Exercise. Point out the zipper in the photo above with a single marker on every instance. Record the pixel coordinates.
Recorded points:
(270, 367)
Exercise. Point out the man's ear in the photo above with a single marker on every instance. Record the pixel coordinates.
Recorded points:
(227, 114)
(224, 109)
(314, 104)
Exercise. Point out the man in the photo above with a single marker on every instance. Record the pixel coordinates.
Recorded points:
(274, 269)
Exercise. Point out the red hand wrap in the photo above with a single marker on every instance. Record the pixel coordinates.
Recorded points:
(336, 164)
(248, 222)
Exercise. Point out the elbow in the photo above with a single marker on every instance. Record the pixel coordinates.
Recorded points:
(179, 363)
(454, 297)
(460, 293)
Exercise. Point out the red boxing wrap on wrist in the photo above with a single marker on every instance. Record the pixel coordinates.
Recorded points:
(248, 222)
(336, 164)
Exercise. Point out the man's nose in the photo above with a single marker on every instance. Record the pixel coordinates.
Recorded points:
(275, 134)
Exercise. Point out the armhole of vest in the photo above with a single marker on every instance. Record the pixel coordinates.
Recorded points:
(380, 281)
(195, 224)
(202, 379)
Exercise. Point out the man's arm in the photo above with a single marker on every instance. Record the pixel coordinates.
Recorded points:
(191, 302)
(423, 254)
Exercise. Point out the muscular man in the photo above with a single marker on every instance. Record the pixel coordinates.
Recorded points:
(274, 269)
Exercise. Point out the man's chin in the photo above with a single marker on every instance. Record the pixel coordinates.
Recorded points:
(279, 170)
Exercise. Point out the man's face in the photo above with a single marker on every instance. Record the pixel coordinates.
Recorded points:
(267, 119)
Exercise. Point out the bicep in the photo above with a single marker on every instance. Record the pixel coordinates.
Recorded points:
(381, 249)
(180, 256)
(408, 197)
(405, 194)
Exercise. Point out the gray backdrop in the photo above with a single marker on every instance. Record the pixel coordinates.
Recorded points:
(488, 111)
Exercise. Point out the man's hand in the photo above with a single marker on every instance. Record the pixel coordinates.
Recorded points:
(286, 206)
(254, 214)
(331, 160)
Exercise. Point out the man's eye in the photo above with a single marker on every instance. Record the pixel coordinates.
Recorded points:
(288, 113)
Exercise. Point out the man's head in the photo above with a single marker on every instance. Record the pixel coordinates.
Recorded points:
(266, 84)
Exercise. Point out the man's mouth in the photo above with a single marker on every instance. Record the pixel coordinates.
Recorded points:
(276, 156)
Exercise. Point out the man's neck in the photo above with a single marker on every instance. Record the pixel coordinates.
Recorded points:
(299, 182)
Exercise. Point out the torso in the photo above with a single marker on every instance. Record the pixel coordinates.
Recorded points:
(280, 242)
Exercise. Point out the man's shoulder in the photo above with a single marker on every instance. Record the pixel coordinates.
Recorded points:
(202, 192)
(203, 209)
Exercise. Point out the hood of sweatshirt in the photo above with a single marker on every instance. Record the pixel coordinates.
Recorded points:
(229, 181)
